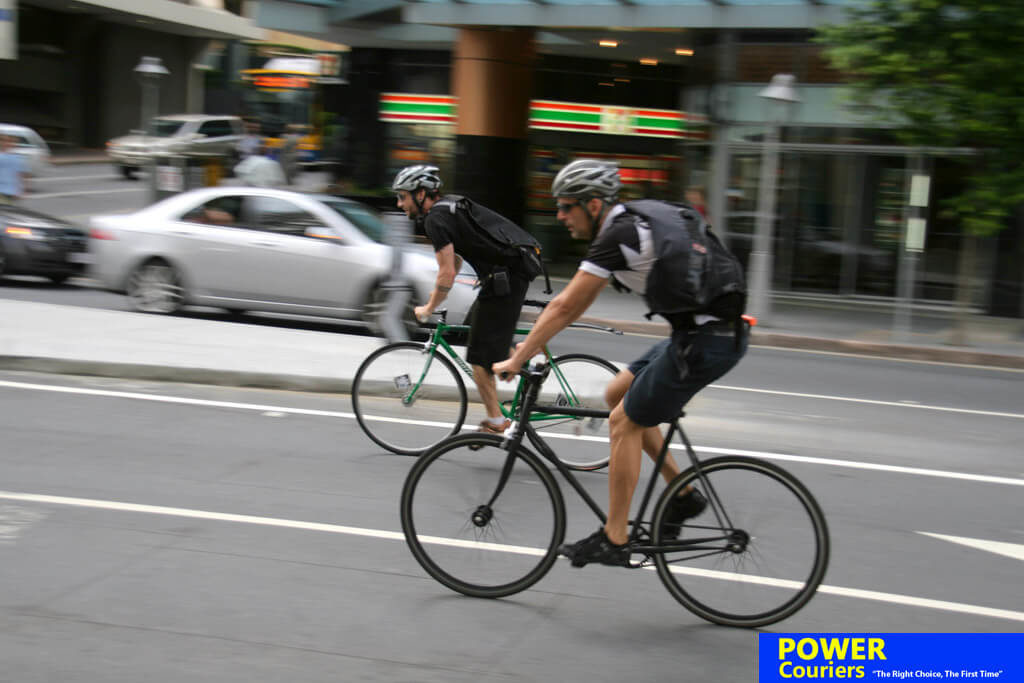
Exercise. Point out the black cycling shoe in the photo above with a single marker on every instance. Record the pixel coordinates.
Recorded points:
(682, 508)
(596, 548)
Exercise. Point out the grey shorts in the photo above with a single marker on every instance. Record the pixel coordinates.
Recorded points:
(673, 370)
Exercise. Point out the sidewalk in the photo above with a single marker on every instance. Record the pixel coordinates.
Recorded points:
(88, 341)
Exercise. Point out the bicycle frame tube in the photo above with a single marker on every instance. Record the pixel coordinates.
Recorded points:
(637, 531)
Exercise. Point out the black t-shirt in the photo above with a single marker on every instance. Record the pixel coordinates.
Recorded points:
(444, 227)
(623, 248)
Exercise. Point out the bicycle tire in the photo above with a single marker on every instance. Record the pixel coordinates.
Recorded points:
(384, 379)
(586, 379)
(501, 553)
(788, 530)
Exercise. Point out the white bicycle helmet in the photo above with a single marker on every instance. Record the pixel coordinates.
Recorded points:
(412, 178)
(586, 178)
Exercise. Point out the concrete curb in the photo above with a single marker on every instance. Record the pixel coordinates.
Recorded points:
(96, 158)
(188, 375)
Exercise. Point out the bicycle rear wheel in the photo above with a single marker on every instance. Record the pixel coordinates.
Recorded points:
(578, 380)
(767, 547)
(473, 533)
(402, 404)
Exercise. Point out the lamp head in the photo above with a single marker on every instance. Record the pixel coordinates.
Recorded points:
(781, 89)
(150, 69)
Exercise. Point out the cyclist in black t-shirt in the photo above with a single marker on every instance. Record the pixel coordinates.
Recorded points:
(494, 315)
(654, 388)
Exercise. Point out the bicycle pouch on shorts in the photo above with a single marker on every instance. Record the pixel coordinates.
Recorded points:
(500, 285)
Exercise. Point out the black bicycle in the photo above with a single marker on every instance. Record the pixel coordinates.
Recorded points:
(484, 516)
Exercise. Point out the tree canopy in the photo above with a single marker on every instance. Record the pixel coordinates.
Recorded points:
(952, 73)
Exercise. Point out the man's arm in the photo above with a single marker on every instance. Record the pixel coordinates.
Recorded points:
(446, 269)
(564, 309)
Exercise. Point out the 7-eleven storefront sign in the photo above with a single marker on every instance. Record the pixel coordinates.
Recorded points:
(551, 115)
(402, 108)
(614, 120)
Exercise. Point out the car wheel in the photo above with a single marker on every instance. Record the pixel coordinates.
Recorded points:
(128, 172)
(155, 287)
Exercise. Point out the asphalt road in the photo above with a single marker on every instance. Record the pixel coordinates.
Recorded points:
(121, 562)
(171, 532)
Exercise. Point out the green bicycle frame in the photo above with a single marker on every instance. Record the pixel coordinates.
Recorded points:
(508, 408)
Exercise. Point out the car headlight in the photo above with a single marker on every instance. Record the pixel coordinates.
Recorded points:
(20, 233)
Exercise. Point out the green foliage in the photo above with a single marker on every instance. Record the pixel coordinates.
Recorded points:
(951, 73)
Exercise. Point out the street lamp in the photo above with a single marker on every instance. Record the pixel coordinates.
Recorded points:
(781, 96)
(148, 73)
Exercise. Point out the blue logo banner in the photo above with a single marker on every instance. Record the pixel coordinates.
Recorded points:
(800, 657)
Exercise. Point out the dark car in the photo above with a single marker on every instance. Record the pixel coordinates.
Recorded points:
(32, 243)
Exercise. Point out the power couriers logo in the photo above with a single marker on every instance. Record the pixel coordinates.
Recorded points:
(790, 657)
(844, 656)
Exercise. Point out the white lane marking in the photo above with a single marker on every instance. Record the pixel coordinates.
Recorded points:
(895, 598)
(1014, 550)
(852, 464)
(82, 193)
(868, 401)
(845, 354)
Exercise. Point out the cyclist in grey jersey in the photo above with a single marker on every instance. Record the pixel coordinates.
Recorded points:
(655, 387)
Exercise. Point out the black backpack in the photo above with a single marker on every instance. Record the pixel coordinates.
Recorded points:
(693, 272)
(514, 247)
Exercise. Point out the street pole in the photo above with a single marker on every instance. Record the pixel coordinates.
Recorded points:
(780, 94)
(913, 245)
(759, 268)
(149, 72)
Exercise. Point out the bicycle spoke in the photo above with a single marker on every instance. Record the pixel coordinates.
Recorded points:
(775, 556)
(501, 551)
(578, 380)
(403, 404)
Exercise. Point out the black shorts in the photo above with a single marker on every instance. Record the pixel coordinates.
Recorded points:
(492, 324)
(673, 370)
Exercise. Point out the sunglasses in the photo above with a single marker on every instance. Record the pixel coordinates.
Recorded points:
(566, 207)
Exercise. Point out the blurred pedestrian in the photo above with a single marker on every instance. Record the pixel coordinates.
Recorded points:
(260, 170)
(289, 154)
(12, 171)
(695, 198)
(251, 143)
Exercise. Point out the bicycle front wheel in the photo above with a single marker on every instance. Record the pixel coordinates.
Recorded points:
(481, 520)
(406, 400)
(765, 544)
(578, 380)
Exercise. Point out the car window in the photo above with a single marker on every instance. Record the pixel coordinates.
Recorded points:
(216, 129)
(224, 211)
(273, 214)
(164, 128)
(367, 220)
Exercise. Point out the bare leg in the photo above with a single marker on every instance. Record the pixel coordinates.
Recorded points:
(623, 473)
(652, 436)
(487, 386)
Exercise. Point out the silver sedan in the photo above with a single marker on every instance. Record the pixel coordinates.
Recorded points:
(257, 249)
